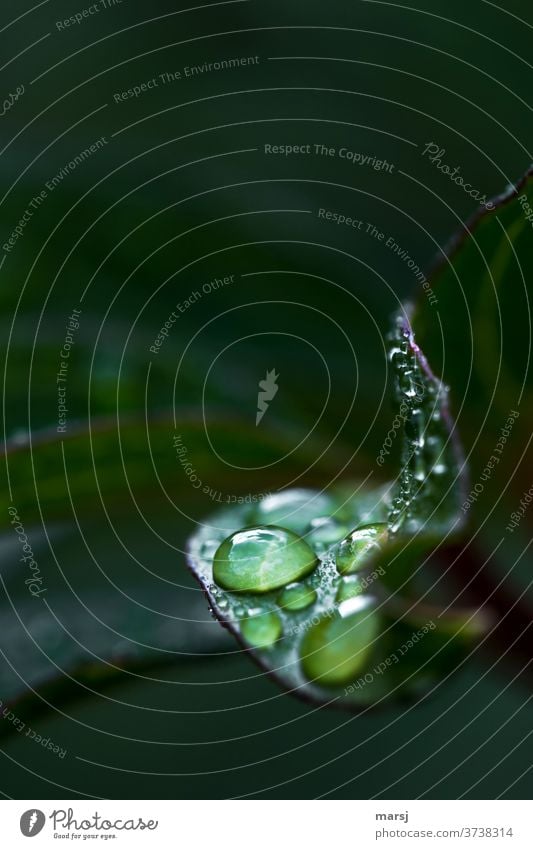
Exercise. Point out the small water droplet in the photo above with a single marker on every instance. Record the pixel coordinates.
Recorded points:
(262, 630)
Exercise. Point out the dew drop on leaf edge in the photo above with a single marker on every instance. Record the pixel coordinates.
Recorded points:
(262, 630)
(356, 549)
(297, 597)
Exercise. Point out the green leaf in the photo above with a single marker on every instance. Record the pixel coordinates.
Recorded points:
(478, 335)
(100, 614)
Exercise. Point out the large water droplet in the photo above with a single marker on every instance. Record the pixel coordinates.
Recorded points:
(293, 509)
(355, 550)
(262, 631)
(20, 437)
(334, 651)
(297, 597)
(257, 560)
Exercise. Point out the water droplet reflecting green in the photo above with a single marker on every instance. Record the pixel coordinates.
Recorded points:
(257, 560)
(324, 532)
(297, 597)
(355, 550)
(293, 509)
(262, 631)
(334, 651)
